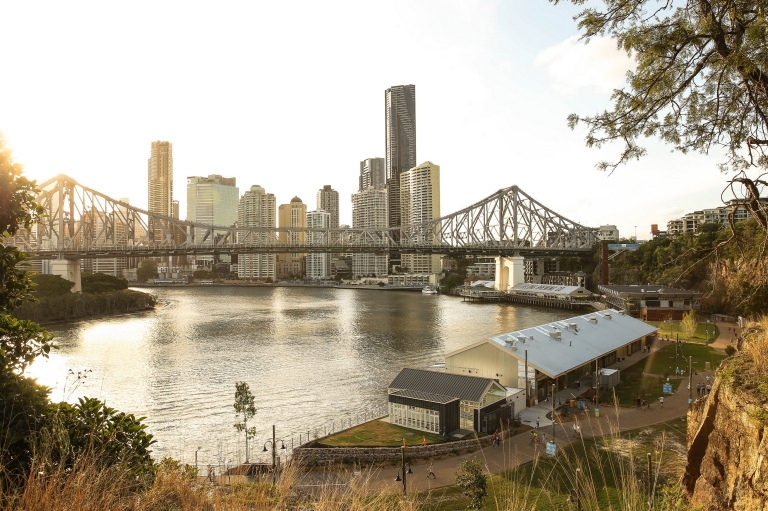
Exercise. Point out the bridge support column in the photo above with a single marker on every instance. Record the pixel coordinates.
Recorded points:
(69, 270)
(510, 271)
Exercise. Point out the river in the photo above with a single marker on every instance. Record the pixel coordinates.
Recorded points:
(309, 355)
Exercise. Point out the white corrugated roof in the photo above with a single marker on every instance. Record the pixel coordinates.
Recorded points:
(578, 346)
(550, 289)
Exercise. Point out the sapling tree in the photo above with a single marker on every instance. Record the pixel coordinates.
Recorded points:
(688, 324)
(472, 481)
(245, 409)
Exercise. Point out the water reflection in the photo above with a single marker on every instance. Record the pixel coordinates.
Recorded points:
(308, 354)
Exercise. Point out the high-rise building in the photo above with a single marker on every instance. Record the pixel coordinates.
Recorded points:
(256, 209)
(318, 263)
(328, 201)
(400, 150)
(373, 172)
(400, 133)
(420, 202)
(211, 200)
(160, 186)
(291, 215)
(369, 210)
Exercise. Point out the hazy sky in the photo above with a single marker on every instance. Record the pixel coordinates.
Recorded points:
(290, 96)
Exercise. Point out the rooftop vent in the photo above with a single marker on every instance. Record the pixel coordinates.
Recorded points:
(607, 315)
(520, 339)
(592, 319)
(556, 335)
(512, 345)
(573, 326)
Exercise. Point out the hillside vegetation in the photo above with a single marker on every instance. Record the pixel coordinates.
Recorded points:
(729, 268)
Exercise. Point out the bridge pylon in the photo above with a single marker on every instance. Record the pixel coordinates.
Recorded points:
(69, 270)
(510, 271)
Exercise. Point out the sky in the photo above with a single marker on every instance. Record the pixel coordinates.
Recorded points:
(290, 96)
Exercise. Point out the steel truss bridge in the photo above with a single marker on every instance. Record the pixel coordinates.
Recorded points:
(82, 223)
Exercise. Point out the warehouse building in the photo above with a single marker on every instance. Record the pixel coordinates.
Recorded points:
(560, 353)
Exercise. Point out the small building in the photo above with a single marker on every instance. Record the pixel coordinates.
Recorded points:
(559, 353)
(609, 378)
(651, 303)
(440, 403)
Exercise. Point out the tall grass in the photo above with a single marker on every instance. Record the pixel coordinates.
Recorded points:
(613, 477)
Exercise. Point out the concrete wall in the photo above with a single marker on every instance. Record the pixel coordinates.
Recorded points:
(486, 361)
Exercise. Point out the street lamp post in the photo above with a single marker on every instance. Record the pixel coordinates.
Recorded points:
(274, 450)
(402, 468)
(706, 329)
(196, 456)
(690, 379)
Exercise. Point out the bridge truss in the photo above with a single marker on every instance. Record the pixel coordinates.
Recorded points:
(82, 223)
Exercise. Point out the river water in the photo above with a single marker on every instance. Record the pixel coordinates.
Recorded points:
(309, 355)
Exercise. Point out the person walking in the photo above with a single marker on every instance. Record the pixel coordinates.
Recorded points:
(661, 401)
(431, 472)
(537, 422)
(576, 426)
(638, 401)
(709, 388)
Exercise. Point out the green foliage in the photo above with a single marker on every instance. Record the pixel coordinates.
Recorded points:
(23, 412)
(78, 305)
(50, 285)
(245, 409)
(689, 324)
(452, 281)
(730, 350)
(21, 342)
(701, 80)
(91, 428)
(147, 270)
(102, 283)
(730, 274)
(202, 274)
(472, 481)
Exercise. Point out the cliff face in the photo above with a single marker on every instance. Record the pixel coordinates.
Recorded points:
(727, 442)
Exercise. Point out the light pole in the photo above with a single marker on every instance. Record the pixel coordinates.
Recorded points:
(196, 457)
(274, 452)
(554, 419)
(690, 379)
(402, 452)
(706, 329)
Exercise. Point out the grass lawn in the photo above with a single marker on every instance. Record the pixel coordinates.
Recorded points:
(671, 329)
(609, 465)
(646, 377)
(378, 433)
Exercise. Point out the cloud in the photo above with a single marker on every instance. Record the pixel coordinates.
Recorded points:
(573, 65)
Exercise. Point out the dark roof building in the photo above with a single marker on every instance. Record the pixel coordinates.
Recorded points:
(652, 303)
(441, 402)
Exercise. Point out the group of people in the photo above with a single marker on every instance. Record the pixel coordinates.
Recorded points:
(703, 389)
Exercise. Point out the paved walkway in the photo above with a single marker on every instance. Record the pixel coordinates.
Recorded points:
(727, 336)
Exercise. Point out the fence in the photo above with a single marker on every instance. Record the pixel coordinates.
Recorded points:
(232, 454)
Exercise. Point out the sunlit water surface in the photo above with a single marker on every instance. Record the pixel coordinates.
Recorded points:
(309, 355)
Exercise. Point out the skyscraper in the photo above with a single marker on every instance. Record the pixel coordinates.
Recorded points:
(256, 209)
(420, 202)
(400, 141)
(318, 263)
(291, 215)
(373, 172)
(369, 210)
(160, 185)
(328, 201)
(211, 200)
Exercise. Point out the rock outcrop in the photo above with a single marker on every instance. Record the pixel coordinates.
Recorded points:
(727, 443)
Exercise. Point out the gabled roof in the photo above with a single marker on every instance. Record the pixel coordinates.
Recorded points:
(425, 396)
(466, 388)
(582, 339)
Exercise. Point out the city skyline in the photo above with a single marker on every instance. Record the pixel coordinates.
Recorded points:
(496, 82)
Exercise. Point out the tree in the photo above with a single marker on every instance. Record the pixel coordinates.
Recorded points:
(50, 285)
(701, 83)
(472, 481)
(102, 283)
(245, 409)
(147, 270)
(688, 324)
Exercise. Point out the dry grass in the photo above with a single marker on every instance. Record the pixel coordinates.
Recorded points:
(755, 343)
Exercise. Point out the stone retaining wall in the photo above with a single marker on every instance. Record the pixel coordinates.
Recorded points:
(365, 455)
